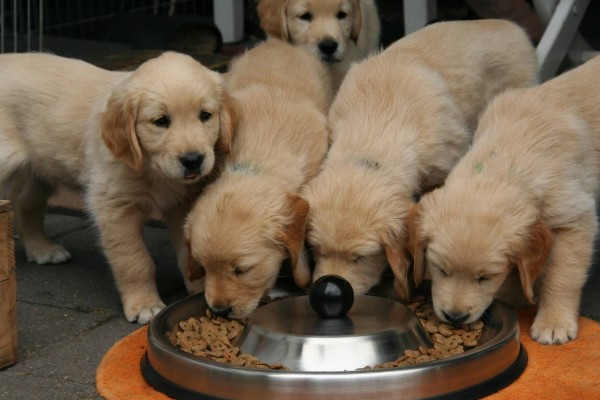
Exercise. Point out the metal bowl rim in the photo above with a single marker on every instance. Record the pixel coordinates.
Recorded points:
(161, 341)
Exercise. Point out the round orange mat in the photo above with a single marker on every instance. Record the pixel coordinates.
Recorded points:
(570, 371)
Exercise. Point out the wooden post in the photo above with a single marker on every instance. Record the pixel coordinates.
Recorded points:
(8, 286)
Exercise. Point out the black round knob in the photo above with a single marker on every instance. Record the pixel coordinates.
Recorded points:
(331, 296)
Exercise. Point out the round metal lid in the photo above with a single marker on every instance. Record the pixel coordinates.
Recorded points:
(290, 332)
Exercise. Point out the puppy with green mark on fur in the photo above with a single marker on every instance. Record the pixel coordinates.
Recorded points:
(252, 219)
(400, 122)
(520, 204)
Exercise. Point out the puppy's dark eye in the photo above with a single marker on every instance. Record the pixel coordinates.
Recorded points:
(341, 15)
(162, 122)
(240, 271)
(483, 278)
(306, 16)
(356, 258)
(205, 116)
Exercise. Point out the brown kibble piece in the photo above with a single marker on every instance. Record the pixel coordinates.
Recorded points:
(431, 328)
(446, 330)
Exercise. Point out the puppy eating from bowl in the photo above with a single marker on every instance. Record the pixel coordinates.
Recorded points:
(400, 122)
(523, 199)
(135, 142)
(251, 219)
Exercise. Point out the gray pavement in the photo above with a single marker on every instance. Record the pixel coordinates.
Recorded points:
(69, 314)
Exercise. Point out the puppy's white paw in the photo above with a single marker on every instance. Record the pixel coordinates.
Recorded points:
(545, 331)
(142, 313)
(52, 254)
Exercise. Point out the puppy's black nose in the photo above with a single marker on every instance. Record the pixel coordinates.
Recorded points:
(456, 318)
(220, 312)
(191, 161)
(328, 46)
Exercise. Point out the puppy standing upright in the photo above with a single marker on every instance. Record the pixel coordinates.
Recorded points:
(136, 142)
(251, 219)
(400, 122)
(338, 31)
(524, 197)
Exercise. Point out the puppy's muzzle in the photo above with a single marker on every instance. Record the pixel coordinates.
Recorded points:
(456, 318)
(192, 163)
(327, 47)
(220, 311)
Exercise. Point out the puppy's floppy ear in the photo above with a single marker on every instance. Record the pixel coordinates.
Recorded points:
(273, 19)
(118, 129)
(532, 256)
(397, 258)
(292, 238)
(302, 272)
(356, 20)
(228, 123)
(416, 242)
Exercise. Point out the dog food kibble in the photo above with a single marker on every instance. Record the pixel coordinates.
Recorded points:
(211, 337)
(448, 340)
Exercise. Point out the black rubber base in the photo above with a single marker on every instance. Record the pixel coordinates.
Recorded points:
(167, 387)
(492, 385)
(477, 391)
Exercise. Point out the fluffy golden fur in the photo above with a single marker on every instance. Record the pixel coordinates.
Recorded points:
(133, 141)
(251, 219)
(522, 199)
(338, 31)
(400, 122)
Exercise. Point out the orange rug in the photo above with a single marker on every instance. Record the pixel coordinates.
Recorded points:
(570, 371)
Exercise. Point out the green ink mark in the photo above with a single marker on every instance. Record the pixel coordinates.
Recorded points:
(244, 168)
(478, 168)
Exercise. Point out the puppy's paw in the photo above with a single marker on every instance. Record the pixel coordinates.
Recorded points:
(546, 331)
(142, 312)
(52, 254)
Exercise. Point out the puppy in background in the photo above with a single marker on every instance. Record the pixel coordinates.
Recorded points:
(134, 142)
(251, 219)
(523, 198)
(400, 122)
(338, 31)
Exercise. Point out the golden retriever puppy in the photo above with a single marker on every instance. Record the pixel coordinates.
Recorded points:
(133, 141)
(251, 219)
(400, 122)
(338, 31)
(523, 197)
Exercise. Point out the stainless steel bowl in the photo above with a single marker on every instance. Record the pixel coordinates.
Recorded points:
(289, 332)
(497, 361)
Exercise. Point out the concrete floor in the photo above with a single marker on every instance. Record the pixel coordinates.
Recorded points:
(69, 315)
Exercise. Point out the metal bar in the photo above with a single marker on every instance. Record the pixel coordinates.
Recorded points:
(418, 13)
(41, 25)
(15, 26)
(2, 26)
(558, 36)
(28, 26)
